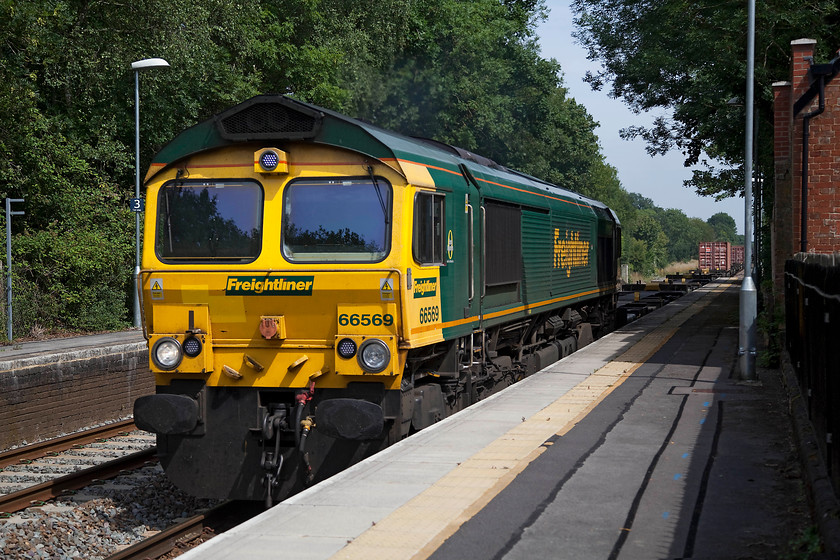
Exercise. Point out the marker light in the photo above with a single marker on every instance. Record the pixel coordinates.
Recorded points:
(192, 347)
(374, 355)
(270, 160)
(167, 353)
(346, 348)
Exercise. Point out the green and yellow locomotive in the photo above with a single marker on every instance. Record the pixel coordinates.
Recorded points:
(315, 288)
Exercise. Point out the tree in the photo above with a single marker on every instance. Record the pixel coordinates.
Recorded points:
(724, 226)
(67, 127)
(605, 186)
(640, 202)
(700, 231)
(675, 226)
(645, 228)
(690, 57)
(472, 76)
(635, 255)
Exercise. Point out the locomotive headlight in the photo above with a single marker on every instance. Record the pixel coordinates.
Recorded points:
(374, 355)
(167, 353)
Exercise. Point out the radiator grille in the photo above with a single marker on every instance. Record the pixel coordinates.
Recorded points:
(269, 119)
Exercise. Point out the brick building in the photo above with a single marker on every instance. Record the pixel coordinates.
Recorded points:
(806, 121)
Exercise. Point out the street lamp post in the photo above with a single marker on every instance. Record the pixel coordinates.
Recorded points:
(748, 299)
(136, 205)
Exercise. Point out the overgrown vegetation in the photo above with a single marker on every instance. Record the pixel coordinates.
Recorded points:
(467, 73)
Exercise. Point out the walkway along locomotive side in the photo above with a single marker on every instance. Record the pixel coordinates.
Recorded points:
(315, 288)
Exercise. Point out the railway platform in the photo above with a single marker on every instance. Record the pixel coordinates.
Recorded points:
(642, 445)
(57, 386)
(47, 349)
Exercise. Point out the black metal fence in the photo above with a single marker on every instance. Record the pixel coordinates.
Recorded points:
(812, 317)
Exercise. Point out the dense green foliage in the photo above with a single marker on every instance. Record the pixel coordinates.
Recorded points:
(691, 57)
(468, 73)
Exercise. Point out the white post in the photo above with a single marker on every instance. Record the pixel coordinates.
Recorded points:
(136, 298)
(9, 214)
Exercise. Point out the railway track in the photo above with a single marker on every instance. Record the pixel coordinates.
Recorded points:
(63, 443)
(103, 492)
(191, 532)
(40, 472)
(53, 488)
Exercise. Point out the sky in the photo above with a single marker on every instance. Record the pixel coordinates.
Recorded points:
(659, 178)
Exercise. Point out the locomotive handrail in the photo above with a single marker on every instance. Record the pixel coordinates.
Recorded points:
(472, 252)
(483, 252)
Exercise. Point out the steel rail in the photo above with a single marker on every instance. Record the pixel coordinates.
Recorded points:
(54, 488)
(165, 541)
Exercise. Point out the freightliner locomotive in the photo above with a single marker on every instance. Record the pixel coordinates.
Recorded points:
(315, 288)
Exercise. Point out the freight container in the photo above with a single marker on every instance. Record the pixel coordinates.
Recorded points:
(737, 258)
(715, 257)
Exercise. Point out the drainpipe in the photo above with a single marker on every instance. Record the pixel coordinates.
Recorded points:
(806, 133)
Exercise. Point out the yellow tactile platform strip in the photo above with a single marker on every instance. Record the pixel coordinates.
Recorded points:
(419, 527)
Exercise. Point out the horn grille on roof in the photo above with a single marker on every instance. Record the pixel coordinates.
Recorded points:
(269, 117)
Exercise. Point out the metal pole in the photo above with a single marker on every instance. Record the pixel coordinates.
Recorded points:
(136, 195)
(9, 215)
(748, 299)
(137, 205)
(9, 268)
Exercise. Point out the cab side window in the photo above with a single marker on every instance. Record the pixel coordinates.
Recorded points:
(428, 228)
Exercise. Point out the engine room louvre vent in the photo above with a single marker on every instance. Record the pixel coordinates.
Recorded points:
(268, 118)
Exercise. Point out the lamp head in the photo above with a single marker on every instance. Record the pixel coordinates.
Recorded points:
(149, 63)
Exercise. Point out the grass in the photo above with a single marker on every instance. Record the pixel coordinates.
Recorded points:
(673, 268)
(807, 545)
(679, 268)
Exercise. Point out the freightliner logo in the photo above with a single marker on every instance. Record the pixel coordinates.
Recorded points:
(425, 287)
(275, 286)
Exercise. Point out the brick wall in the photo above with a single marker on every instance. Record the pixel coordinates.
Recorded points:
(53, 394)
(823, 201)
(824, 176)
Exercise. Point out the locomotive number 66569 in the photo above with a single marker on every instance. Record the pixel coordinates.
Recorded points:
(365, 319)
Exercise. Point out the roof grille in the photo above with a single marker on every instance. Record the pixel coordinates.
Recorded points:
(269, 117)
